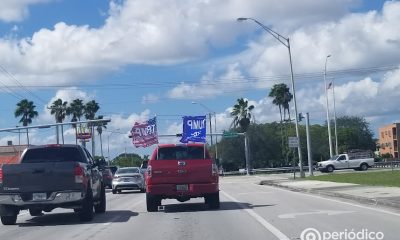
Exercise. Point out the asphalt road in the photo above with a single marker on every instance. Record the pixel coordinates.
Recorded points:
(248, 211)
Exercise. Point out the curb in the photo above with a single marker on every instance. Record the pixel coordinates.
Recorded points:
(364, 200)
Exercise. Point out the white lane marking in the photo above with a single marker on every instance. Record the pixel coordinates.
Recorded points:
(328, 212)
(259, 219)
(333, 200)
(247, 193)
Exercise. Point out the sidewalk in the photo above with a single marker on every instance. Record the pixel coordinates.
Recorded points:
(375, 195)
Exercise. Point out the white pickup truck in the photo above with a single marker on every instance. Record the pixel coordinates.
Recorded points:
(359, 162)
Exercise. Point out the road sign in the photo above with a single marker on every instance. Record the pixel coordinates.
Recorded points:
(229, 134)
(293, 142)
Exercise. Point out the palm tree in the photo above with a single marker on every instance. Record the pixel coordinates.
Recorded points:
(242, 114)
(75, 109)
(59, 110)
(99, 129)
(26, 110)
(282, 97)
(90, 111)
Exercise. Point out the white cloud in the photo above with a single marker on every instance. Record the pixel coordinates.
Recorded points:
(16, 10)
(146, 32)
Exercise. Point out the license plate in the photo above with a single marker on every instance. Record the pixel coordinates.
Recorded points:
(39, 196)
(183, 187)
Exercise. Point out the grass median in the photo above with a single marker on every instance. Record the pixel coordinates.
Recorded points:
(381, 178)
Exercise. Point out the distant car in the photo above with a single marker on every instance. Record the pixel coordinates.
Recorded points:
(107, 177)
(356, 161)
(128, 178)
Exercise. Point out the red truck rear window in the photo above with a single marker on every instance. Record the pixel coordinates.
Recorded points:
(182, 153)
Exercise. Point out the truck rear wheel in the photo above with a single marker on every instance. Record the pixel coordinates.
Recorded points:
(212, 200)
(101, 206)
(152, 202)
(86, 212)
(363, 167)
(9, 220)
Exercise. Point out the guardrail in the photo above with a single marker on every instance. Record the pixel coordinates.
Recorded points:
(389, 164)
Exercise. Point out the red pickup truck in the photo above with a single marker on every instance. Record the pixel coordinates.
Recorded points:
(181, 171)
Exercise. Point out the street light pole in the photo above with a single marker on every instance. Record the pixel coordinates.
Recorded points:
(286, 43)
(328, 118)
(334, 116)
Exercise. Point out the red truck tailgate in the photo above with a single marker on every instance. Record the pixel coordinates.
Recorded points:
(181, 171)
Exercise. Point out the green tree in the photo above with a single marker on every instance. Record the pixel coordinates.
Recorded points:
(76, 110)
(90, 111)
(242, 114)
(127, 160)
(26, 110)
(99, 129)
(59, 110)
(281, 97)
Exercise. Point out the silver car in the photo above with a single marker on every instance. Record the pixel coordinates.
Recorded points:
(128, 178)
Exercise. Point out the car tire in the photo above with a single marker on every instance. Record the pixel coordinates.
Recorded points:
(86, 213)
(152, 202)
(9, 220)
(101, 206)
(363, 167)
(212, 200)
(114, 191)
(330, 169)
(143, 190)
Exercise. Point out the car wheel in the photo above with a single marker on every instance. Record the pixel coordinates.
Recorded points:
(212, 200)
(143, 190)
(101, 206)
(364, 167)
(329, 169)
(152, 202)
(114, 191)
(86, 212)
(9, 220)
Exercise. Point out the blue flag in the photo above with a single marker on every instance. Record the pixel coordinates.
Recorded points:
(194, 129)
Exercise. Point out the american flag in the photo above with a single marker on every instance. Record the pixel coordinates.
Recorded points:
(145, 134)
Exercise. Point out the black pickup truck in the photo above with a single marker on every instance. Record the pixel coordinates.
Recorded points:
(50, 177)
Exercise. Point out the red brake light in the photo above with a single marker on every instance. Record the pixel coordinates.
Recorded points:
(79, 174)
(1, 175)
(149, 171)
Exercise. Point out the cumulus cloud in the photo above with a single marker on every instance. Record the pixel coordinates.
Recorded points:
(15, 11)
(146, 32)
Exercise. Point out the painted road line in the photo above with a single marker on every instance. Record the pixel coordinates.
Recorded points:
(275, 231)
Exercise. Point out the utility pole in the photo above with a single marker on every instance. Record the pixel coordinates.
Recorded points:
(310, 165)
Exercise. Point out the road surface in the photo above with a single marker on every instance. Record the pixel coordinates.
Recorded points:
(248, 211)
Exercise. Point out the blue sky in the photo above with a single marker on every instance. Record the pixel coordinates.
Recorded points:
(141, 58)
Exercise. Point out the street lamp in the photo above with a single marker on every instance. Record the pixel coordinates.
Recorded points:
(210, 113)
(286, 43)
(328, 118)
(108, 142)
(334, 116)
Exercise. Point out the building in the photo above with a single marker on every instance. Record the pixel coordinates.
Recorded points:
(388, 140)
(10, 154)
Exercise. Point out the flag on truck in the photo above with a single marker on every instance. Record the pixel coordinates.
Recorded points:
(194, 129)
(145, 134)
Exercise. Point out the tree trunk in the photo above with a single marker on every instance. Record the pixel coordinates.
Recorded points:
(27, 137)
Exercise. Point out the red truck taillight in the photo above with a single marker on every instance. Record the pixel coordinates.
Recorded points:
(149, 171)
(79, 174)
(1, 175)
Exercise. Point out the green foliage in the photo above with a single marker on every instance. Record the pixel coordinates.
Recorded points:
(127, 160)
(269, 147)
(26, 110)
(242, 114)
